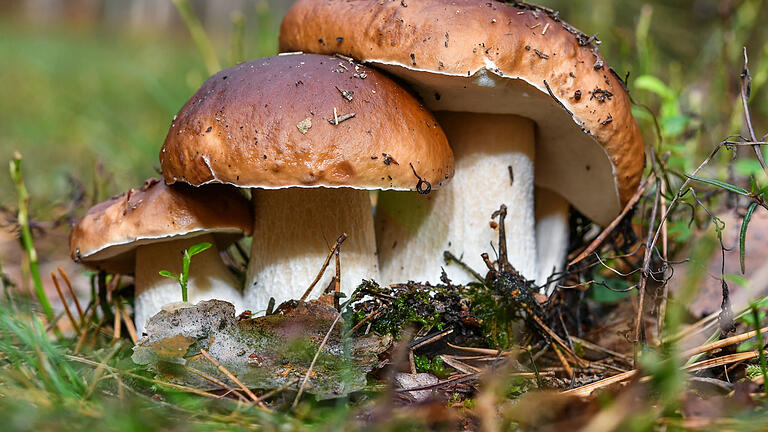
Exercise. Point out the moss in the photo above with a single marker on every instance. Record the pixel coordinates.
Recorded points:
(409, 304)
(489, 312)
(434, 366)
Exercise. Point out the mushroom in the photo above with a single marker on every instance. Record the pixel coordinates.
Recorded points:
(552, 232)
(145, 231)
(311, 135)
(517, 91)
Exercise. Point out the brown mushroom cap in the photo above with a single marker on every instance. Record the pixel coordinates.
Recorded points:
(267, 123)
(107, 236)
(497, 57)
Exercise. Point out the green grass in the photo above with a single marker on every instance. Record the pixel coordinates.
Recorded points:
(72, 98)
(75, 98)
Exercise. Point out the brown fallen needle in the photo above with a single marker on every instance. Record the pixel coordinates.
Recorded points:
(722, 343)
(68, 283)
(587, 390)
(128, 324)
(234, 379)
(217, 382)
(64, 302)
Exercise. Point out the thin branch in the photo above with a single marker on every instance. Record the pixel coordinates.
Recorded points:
(339, 241)
(746, 82)
(647, 264)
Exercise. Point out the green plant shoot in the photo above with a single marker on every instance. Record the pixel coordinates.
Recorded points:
(26, 235)
(183, 278)
(759, 336)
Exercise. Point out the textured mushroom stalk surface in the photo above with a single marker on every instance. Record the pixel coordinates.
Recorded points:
(208, 279)
(295, 230)
(552, 232)
(494, 157)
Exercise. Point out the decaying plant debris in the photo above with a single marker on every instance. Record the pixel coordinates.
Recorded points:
(263, 353)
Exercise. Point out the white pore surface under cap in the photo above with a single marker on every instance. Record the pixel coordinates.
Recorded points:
(293, 233)
(209, 278)
(567, 159)
(552, 231)
(413, 230)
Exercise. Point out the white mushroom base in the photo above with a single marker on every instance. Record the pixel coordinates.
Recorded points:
(293, 233)
(209, 278)
(552, 231)
(413, 230)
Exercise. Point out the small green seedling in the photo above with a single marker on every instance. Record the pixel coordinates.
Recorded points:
(183, 278)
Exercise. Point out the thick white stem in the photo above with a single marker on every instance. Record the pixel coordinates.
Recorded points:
(494, 165)
(552, 231)
(209, 278)
(293, 233)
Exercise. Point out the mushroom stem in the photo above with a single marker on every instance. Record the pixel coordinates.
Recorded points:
(494, 157)
(295, 229)
(552, 231)
(208, 279)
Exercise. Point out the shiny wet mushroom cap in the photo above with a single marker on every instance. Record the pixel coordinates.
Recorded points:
(310, 134)
(307, 121)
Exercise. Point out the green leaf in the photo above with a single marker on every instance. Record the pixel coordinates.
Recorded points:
(746, 346)
(763, 190)
(655, 85)
(749, 319)
(196, 249)
(720, 184)
(166, 273)
(736, 278)
(743, 234)
(747, 167)
(674, 125)
(679, 231)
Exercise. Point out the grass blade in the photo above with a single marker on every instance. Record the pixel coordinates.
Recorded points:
(743, 234)
(720, 184)
(763, 365)
(26, 235)
(198, 35)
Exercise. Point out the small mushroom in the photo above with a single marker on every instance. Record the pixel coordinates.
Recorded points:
(145, 231)
(503, 94)
(309, 185)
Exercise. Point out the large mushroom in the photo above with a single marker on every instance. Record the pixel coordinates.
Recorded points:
(517, 90)
(311, 135)
(142, 232)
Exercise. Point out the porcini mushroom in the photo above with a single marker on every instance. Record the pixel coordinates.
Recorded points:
(145, 231)
(552, 232)
(517, 90)
(311, 135)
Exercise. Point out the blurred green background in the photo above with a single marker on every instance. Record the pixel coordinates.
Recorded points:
(89, 87)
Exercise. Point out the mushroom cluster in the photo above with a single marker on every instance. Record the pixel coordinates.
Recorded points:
(517, 91)
(523, 103)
